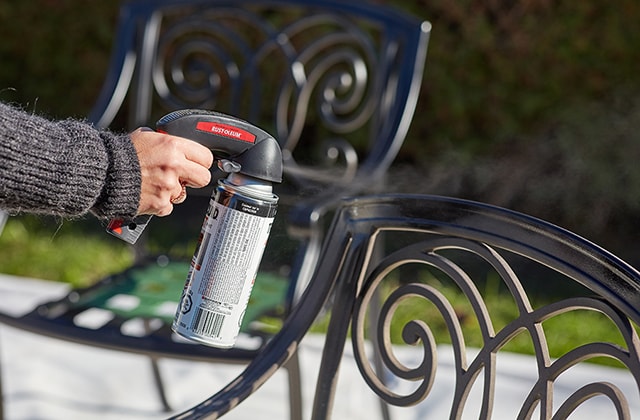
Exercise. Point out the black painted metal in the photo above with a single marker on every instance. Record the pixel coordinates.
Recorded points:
(348, 275)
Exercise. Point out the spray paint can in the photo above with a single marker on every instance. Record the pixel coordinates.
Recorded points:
(235, 228)
(226, 260)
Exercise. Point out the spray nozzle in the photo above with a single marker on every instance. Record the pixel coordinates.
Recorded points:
(229, 166)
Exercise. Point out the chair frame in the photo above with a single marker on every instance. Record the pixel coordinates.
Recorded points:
(350, 271)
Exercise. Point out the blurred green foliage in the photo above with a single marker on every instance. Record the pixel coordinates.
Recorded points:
(54, 53)
(495, 70)
(498, 70)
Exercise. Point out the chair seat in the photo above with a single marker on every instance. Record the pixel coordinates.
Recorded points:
(150, 291)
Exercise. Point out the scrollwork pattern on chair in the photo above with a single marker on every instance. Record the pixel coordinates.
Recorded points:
(321, 65)
(201, 57)
(418, 332)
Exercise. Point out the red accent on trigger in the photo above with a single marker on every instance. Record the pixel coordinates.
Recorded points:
(116, 226)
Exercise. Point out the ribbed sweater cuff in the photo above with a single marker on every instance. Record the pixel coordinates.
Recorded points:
(121, 192)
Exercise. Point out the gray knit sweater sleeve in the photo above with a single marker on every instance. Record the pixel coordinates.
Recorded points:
(65, 168)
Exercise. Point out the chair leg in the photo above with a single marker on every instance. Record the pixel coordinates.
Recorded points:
(157, 377)
(155, 368)
(295, 387)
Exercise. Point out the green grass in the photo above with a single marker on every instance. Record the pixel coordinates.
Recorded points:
(77, 252)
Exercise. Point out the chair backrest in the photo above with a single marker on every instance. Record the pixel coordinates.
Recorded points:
(339, 79)
(463, 262)
(335, 82)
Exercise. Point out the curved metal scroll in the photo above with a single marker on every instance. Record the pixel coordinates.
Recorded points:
(481, 371)
(314, 69)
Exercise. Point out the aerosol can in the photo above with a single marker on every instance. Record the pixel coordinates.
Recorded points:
(235, 229)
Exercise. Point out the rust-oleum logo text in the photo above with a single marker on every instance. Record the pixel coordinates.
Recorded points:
(225, 130)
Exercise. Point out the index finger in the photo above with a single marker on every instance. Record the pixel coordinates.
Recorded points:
(195, 175)
(197, 153)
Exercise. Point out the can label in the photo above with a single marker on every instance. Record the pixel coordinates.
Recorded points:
(224, 267)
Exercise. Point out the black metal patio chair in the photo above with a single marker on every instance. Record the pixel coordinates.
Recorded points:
(335, 82)
(432, 245)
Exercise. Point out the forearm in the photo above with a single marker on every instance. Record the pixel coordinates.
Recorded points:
(65, 168)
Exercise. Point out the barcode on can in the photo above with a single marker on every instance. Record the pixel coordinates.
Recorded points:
(207, 323)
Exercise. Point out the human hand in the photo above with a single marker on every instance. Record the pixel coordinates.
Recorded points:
(168, 164)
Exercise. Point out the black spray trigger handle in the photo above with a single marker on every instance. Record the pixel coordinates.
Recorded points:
(245, 148)
(256, 152)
